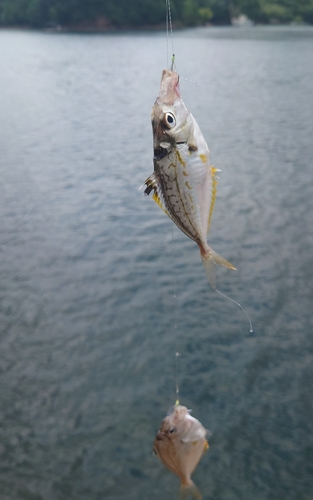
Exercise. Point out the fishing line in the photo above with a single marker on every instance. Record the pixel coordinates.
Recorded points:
(177, 354)
(176, 376)
(169, 26)
(174, 284)
(181, 77)
(239, 305)
(166, 33)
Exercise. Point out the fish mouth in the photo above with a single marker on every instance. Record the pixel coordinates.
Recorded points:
(160, 436)
(159, 153)
(169, 88)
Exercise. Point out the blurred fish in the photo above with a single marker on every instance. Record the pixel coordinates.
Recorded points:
(183, 181)
(180, 444)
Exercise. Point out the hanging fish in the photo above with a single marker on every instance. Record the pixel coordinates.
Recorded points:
(183, 181)
(180, 444)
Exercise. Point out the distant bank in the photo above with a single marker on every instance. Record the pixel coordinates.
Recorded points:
(114, 15)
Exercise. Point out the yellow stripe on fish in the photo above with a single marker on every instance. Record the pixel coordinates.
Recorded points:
(214, 191)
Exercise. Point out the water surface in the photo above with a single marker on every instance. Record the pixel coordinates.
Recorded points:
(88, 267)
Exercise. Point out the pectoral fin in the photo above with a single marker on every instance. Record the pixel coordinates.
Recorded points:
(152, 185)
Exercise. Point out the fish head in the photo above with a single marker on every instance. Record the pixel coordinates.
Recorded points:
(178, 423)
(171, 121)
(175, 425)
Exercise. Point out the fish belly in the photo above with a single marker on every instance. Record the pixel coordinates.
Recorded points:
(192, 453)
(186, 188)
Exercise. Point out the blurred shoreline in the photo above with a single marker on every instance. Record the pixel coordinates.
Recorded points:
(108, 28)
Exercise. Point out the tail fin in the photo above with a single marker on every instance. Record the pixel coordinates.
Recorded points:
(209, 260)
(189, 490)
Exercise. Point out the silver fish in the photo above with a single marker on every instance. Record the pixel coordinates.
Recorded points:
(183, 181)
(180, 444)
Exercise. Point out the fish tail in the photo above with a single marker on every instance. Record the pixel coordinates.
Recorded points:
(209, 260)
(189, 489)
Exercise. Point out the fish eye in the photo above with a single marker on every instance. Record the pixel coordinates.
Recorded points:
(170, 120)
(171, 430)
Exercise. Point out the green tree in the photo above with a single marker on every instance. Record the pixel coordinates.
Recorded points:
(13, 12)
(196, 12)
(190, 12)
(36, 13)
(127, 13)
(205, 14)
(306, 10)
(275, 12)
(281, 11)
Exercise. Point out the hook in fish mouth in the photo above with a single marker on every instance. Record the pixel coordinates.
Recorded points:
(159, 153)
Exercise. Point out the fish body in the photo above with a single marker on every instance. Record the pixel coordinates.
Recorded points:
(180, 444)
(183, 181)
